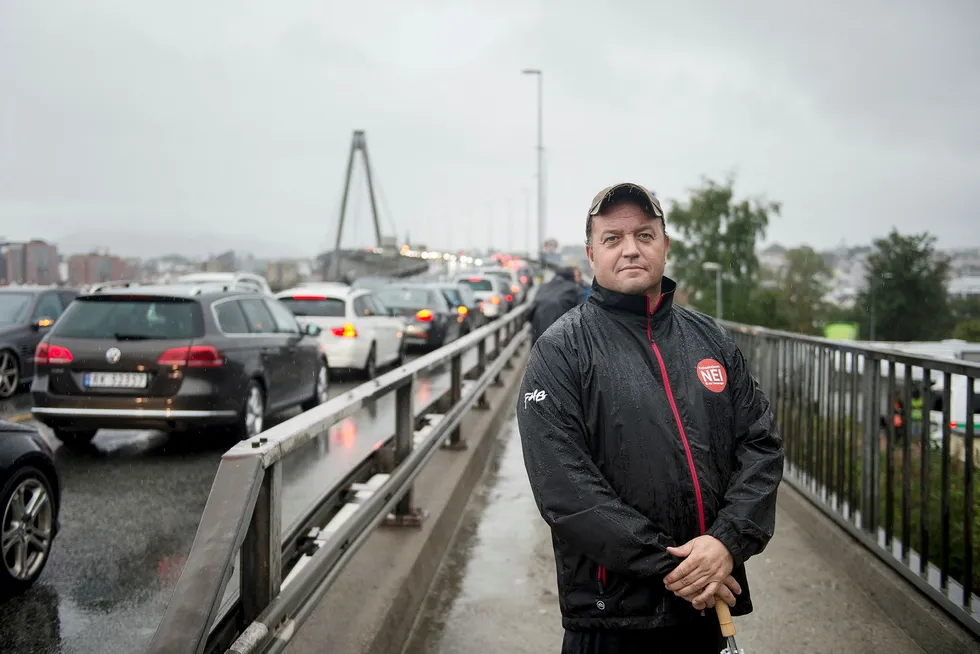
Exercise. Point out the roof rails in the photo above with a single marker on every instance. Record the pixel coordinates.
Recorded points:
(105, 286)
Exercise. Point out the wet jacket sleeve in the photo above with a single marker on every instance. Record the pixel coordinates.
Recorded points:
(571, 493)
(747, 517)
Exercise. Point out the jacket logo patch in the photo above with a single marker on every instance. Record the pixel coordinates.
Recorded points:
(712, 374)
(534, 396)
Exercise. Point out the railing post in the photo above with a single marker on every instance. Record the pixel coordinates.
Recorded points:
(261, 555)
(481, 353)
(405, 513)
(869, 444)
(511, 332)
(456, 441)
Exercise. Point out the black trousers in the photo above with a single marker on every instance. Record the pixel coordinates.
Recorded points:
(703, 638)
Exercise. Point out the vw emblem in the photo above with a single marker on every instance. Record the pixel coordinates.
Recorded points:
(112, 355)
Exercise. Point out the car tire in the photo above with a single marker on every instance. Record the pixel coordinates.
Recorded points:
(251, 421)
(75, 438)
(9, 374)
(321, 387)
(400, 359)
(371, 365)
(19, 571)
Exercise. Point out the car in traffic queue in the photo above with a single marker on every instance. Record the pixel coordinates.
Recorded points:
(26, 315)
(30, 497)
(174, 358)
(358, 330)
(462, 298)
(490, 291)
(516, 292)
(242, 281)
(430, 321)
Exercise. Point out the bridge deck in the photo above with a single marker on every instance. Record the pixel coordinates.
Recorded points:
(496, 591)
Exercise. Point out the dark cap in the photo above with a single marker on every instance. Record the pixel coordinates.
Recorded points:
(626, 191)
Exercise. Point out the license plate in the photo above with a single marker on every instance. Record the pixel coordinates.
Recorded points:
(114, 380)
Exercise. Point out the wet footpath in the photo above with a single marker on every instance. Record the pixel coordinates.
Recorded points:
(496, 589)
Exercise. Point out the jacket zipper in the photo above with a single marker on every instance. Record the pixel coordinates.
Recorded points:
(677, 415)
(600, 577)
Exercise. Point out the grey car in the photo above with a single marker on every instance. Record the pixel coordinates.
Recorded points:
(26, 315)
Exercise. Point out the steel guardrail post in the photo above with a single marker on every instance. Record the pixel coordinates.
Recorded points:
(405, 513)
(456, 441)
(261, 553)
(481, 353)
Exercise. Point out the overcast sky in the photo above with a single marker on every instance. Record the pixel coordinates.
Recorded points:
(234, 116)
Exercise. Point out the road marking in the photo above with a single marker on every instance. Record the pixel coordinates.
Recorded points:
(20, 418)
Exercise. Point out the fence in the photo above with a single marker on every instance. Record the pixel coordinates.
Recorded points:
(283, 573)
(870, 439)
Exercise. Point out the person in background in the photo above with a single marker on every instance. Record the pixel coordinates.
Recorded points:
(553, 300)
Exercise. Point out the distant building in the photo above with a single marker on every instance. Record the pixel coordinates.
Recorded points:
(34, 262)
(98, 267)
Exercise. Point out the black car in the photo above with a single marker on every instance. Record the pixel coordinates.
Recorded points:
(30, 495)
(433, 322)
(174, 358)
(26, 315)
(463, 300)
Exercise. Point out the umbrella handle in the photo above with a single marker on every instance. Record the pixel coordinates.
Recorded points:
(724, 619)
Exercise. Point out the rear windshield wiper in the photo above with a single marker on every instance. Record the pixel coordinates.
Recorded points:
(131, 337)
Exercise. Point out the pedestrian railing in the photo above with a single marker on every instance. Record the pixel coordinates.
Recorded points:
(877, 439)
(283, 573)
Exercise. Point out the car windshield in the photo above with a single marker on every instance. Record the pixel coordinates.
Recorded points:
(405, 298)
(14, 307)
(478, 283)
(127, 318)
(325, 307)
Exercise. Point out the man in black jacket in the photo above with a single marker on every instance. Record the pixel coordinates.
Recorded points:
(553, 300)
(651, 451)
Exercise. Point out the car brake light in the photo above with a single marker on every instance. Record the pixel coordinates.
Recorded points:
(463, 310)
(475, 279)
(424, 316)
(301, 296)
(347, 331)
(515, 288)
(54, 355)
(194, 356)
(524, 279)
(495, 299)
(510, 298)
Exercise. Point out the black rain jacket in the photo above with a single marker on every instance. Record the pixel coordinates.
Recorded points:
(553, 300)
(642, 428)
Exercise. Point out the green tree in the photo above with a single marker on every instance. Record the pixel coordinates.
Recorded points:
(966, 317)
(711, 226)
(804, 282)
(968, 330)
(906, 292)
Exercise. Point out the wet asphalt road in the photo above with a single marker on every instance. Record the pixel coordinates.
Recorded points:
(130, 509)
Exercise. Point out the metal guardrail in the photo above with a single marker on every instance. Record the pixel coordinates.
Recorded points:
(242, 516)
(903, 488)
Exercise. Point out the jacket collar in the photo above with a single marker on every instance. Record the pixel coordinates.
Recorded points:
(641, 305)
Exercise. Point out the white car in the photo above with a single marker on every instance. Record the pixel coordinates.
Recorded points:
(489, 290)
(358, 330)
(237, 280)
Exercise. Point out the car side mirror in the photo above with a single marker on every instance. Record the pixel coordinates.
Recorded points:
(311, 330)
(42, 323)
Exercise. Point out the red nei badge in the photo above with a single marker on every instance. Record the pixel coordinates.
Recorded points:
(712, 374)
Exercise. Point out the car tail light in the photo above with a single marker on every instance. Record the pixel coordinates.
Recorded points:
(510, 298)
(424, 316)
(495, 299)
(524, 279)
(53, 355)
(515, 288)
(194, 356)
(475, 279)
(462, 310)
(347, 331)
(302, 296)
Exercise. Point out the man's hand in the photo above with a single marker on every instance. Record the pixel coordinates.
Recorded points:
(704, 573)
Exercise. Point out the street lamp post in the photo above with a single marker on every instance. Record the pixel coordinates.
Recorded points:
(716, 267)
(535, 71)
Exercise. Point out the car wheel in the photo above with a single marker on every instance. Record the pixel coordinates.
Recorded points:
(400, 359)
(9, 374)
(75, 438)
(27, 528)
(321, 387)
(252, 420)
(371, 365)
